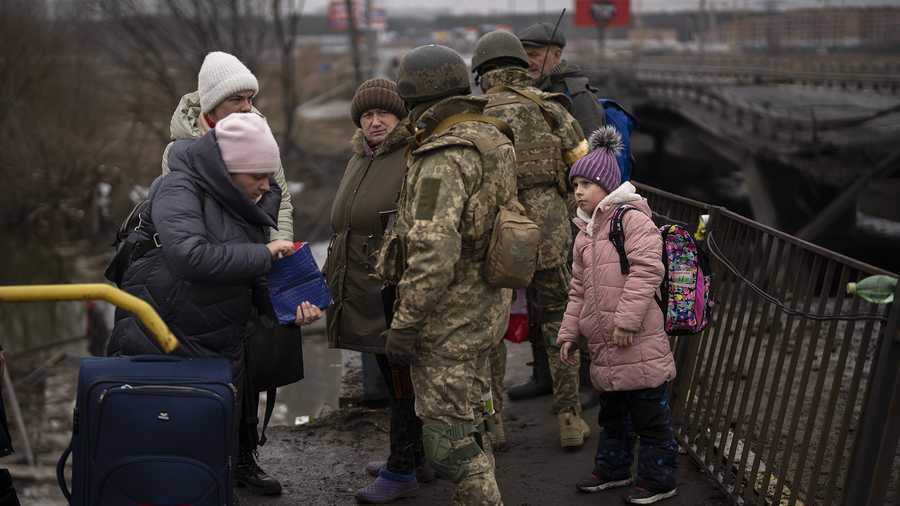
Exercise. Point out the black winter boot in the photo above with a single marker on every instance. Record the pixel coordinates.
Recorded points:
(540, 383)
(249, 474)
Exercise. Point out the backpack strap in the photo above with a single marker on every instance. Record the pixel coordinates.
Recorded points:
(450, 121)
(662, 299)
(270, 408)
(617, 236)
(61, 471)
(531, 97)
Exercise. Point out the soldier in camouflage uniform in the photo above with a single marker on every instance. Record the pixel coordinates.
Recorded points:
(460, 170)
(544, 44)
(547, 141)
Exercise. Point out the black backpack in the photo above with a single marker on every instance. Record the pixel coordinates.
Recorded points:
(134, 238)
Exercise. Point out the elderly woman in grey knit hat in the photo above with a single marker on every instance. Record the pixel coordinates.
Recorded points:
(362, 308)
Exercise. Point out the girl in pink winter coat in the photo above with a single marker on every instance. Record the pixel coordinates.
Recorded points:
(631, 362)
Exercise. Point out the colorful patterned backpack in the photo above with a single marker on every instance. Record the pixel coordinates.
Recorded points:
(684, 291)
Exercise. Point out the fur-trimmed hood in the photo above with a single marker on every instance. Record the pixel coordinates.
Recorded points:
(398, 138)
(626, 193)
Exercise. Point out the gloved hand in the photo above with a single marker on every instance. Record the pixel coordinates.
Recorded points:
(401, 346)
(623, 337)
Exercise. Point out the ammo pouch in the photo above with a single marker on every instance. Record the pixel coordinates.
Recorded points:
(512, 252)
(539, 163)
(390, 260)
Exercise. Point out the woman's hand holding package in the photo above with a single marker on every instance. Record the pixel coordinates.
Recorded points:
(280, 248)
(622, 337)
(567, 353)
(306, 313)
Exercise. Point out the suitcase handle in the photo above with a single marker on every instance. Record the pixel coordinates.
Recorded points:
(61, 473)
(155, 358)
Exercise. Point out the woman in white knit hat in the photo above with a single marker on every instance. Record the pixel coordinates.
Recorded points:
(226, 86)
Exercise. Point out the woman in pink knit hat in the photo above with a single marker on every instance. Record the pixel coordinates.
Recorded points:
(614, 309)
(202, 251)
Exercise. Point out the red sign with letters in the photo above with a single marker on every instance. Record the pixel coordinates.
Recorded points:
(602, 12)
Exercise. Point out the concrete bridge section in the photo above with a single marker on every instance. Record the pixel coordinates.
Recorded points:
(798, 140)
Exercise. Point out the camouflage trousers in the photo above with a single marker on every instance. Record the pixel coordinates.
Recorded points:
(548, 295)
(497, 372)
(449, 402)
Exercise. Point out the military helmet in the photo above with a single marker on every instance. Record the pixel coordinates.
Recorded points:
(431, 72)
(542, 34)
(498, 44)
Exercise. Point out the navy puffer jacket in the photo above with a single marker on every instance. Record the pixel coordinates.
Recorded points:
(209, 272)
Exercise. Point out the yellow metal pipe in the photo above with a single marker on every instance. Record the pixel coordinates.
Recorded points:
(92, 291)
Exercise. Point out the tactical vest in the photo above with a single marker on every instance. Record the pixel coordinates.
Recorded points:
(479, 213)
(539, 162)
(478, 218)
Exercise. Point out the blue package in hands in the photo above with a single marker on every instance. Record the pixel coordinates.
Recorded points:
(295, 279)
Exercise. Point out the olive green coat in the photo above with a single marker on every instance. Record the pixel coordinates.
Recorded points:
(369, 186)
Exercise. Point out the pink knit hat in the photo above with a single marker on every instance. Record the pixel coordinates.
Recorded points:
(599, 165)
(247, 144)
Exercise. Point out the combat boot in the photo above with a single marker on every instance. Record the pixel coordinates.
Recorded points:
(573, 430)
(540, 383)
(248, 474)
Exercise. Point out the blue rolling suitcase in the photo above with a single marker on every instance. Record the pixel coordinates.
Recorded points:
(152, 430)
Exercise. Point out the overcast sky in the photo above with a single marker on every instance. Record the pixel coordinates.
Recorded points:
(486, 6)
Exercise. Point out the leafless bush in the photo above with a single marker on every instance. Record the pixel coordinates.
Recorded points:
(162, 44)
(51, 119)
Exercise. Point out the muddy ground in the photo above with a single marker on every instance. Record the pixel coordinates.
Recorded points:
(323, 463)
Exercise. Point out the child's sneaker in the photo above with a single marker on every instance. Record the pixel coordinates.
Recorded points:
(596, 484)
(640, 495)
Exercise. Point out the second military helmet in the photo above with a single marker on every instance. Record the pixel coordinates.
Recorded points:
(497, 45)
(432, 72)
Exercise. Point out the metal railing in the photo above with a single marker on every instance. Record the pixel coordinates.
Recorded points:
(96, 291)
(792, 395)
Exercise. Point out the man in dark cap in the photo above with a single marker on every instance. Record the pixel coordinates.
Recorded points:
(544, 44)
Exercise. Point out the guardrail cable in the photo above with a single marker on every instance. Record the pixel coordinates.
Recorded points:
(717, 253)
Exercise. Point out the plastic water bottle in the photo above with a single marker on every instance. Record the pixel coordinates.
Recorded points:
(700, 234)
(878, 289)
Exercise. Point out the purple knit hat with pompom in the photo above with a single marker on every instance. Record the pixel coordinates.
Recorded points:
(599, 165)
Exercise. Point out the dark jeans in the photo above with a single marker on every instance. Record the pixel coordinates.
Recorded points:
(245, 410)
(407, 451)
(647, 414)
(8, 495)
(248, 435)
(406, 428)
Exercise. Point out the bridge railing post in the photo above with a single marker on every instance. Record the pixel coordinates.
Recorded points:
(873, 456)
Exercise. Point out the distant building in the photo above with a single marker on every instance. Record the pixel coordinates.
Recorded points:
(812, 29)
